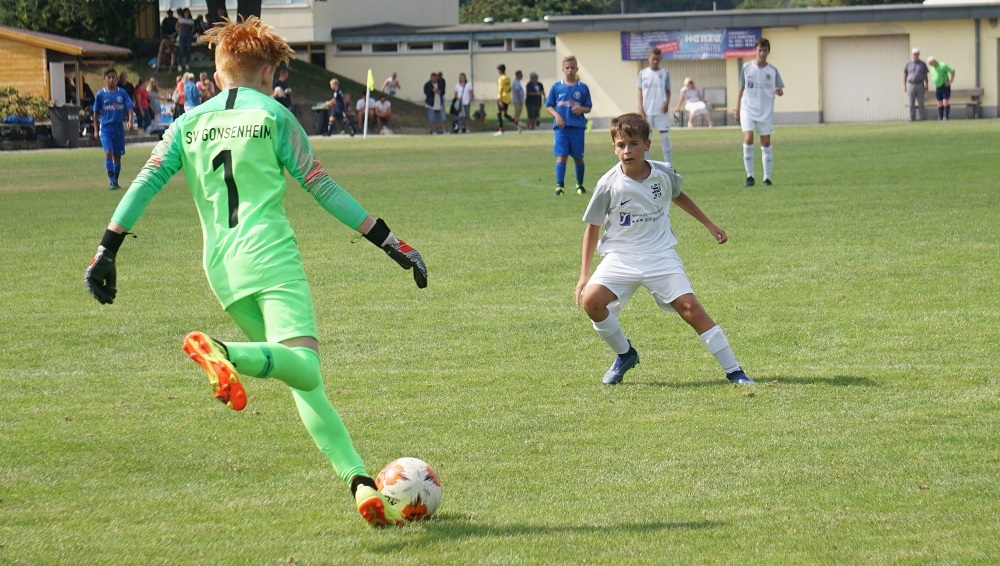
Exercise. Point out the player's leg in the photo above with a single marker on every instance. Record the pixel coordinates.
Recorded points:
(577, 138)
(119, 151)
(688, 307)
(748, 128)
(281, 323)
(668, 151)
(108, 145)
(765, 129)
(560, 148)
(670, 287)
(609, 288)
(500, 112)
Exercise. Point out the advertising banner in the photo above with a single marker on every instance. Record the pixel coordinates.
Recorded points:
(734, 43)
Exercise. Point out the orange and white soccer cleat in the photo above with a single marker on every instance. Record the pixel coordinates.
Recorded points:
(211, 355)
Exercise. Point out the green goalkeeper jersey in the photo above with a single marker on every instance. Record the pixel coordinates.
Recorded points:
(234, 150)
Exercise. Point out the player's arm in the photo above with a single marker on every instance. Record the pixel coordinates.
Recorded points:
(739, 102)
(309, 172)
(642, 109)
(550, 108)
(100, 277)
(590, 236)
(685, 203)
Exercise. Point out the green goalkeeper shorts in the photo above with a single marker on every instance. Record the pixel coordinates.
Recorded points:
(277, 314)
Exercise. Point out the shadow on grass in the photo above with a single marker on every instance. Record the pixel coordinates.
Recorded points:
(838, 381)
(448, 527)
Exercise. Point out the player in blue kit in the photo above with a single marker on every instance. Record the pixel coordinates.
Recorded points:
(113, 111)
(568, 101)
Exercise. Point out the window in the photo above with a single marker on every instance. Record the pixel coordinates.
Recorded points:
(492, 44)
(420, 46)
(456, 46)
(385, 47)
(528, 43)
(348, 48)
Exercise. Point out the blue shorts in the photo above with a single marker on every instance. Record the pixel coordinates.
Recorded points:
(113, 138)
(569, 141)
(432, 114)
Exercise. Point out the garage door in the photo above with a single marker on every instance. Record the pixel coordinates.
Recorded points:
(863, 78)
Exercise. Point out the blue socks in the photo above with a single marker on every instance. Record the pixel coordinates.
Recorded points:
(579, 173)
(560, 173)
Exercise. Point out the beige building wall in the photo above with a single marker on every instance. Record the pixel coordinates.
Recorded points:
(413, 70)
(796, 52)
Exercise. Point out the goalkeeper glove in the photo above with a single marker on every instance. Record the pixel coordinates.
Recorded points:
(100, 277)
(405, 255)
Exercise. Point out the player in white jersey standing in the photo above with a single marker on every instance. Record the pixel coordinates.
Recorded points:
(759, 83)
(632, 201)
(654, 100)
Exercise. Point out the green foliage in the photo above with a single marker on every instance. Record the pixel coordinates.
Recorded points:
(754, 4)
(503, 11)
(13, 103)
(111, 22)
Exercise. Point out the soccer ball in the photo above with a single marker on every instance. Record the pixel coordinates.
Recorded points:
(411, 486)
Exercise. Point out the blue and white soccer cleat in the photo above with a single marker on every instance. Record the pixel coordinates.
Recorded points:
(739, 378)
(623, 363)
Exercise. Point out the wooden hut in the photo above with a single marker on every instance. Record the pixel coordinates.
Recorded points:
(39, 63)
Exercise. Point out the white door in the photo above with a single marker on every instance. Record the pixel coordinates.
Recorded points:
(863, 78)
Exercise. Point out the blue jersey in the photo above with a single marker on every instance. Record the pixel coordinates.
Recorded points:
(563, 97)
(112, 106)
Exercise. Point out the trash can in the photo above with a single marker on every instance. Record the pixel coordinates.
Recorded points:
(65, 125)
(321, 116)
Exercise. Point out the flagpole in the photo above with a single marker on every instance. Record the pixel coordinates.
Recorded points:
(369, 86)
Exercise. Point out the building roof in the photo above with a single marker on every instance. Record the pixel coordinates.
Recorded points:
(67, 45)
(389, 32)
(783, 17)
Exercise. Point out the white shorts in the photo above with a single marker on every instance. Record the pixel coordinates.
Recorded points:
(665, 278)
(658, 122)
(762, 128)
(696, 108)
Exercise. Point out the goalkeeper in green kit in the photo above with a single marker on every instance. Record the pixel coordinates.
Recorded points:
(234, 150)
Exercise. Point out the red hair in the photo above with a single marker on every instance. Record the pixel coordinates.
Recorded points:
(243, 48)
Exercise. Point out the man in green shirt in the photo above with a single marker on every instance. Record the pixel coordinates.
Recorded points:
(234, 150)
(942, 76)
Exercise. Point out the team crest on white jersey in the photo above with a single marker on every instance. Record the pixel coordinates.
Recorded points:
(657, 191)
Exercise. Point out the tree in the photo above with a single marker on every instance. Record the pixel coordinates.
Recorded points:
(474, 11)
(247, 8)
(111, 22)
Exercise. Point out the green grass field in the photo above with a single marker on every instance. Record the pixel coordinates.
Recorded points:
(861, 291)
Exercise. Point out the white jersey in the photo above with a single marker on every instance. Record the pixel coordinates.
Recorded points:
(758, 85)
(654, 86)
(635, 213)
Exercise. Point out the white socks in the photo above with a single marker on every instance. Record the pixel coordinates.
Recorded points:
(716, 342)
(766, 157)
(748, 159)
(668, 154)
(611, 332)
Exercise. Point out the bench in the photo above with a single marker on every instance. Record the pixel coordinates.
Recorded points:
(971, 98)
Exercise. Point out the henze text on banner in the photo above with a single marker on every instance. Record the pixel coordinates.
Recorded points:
(734, 43)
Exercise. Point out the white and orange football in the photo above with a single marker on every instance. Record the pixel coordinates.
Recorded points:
(412, 486)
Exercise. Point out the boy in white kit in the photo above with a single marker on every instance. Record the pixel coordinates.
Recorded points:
(654, 100)
(632, 201)
(759, 83)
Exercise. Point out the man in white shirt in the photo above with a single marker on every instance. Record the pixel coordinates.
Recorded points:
(759, 83)
(383, 113)
(654, 100)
